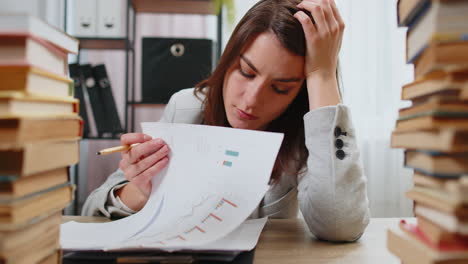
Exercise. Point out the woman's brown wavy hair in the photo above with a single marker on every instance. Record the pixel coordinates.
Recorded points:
(274, 16)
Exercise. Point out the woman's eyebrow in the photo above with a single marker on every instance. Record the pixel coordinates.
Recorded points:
(249, 63)
(294, 79)
(288, 80)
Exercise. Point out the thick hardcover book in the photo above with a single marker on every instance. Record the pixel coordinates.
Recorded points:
(11, 187)
(17, 130)
(32, 158)
(19, 241)
(77, 76)
(19, 211)
(107, 99)
(17, 104)
(24, 48)
(169, 65)
(33, 80)
(437, 162)
(95, 101)
(14, 23)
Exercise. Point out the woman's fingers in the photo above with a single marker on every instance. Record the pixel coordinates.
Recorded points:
(143, 181)
(131, 138)
(328, 13)
(309, 28)
(337, 15)
(143, 165)
(139, 152)
(318, 15)
(148, 174)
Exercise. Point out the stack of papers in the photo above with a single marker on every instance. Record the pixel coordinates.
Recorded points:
(215, 178)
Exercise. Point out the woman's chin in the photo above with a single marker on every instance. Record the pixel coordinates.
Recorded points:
(241, 124)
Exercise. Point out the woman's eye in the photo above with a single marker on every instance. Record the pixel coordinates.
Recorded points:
(278, 90)
(246, 75)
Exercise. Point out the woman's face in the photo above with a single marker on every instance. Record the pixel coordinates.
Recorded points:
(261, 84)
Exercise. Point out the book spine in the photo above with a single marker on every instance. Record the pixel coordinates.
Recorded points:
(416, 14)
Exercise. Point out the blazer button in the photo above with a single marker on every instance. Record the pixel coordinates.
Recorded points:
(339, 143)
(340, 154)
(337, 131)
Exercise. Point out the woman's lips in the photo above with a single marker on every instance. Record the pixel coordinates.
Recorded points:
(244, 115)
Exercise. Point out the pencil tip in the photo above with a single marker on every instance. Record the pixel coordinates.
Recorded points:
(98, 153)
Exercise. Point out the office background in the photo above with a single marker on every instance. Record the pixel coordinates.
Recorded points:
(373, 70)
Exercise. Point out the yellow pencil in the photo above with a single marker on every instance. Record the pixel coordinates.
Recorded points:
(116, 149)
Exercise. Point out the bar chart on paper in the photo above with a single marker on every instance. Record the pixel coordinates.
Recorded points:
(203, 222)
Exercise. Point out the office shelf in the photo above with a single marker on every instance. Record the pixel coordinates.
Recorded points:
(204, 7)
(105, 43)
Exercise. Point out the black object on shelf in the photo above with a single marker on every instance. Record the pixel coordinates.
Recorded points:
(172, 64)
(77, 76)
(111, 115)
(95, 99)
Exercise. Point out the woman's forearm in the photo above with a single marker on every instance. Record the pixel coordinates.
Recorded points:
(322, 90)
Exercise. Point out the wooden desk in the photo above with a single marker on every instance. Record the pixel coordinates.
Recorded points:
(289, 241)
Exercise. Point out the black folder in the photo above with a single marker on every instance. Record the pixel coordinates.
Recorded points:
(172, 64)
(233, 257)
(77, 76)
(103, 84)
(95, 101)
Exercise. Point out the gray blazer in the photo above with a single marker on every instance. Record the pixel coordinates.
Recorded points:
(331, 193)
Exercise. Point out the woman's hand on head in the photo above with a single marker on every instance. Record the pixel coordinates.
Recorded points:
(323, 38)
(142, 162)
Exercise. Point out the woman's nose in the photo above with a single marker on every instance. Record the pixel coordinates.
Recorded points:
(255, 94)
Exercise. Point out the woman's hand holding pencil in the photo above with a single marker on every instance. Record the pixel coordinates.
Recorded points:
(142, 158)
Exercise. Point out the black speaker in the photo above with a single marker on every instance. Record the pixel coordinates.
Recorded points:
(172, 64)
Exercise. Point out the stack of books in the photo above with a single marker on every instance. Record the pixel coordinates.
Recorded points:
(39, 138)
(434, 132)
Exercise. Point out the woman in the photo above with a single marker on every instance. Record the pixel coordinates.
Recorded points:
(277, 73)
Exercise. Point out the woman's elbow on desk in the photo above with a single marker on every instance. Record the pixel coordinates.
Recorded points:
(336, 224)
(344, 230)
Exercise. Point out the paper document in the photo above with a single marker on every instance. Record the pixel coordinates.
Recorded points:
(215, 178)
